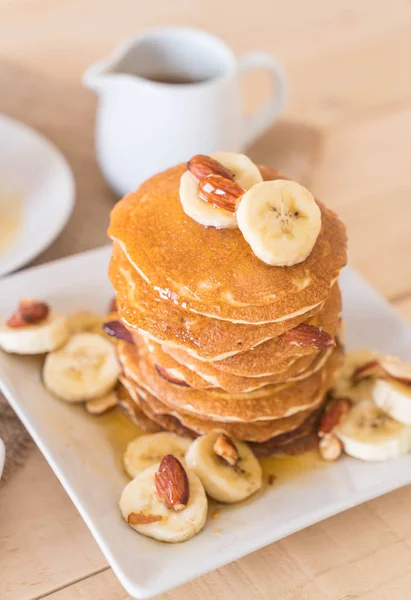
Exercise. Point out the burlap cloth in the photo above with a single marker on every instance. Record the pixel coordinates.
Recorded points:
(65, 114)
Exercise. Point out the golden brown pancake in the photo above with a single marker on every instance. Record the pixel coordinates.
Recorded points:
(255, 432)
(274, 355)
(164, 321)
(270, 402)
(214, 271)
(175, 372)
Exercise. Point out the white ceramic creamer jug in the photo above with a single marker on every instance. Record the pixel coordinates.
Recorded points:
(169, 94)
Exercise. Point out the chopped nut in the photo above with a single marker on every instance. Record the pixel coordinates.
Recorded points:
(225, 448)
(172, 483)
(142, 519)
(271, 478)
(330, 447)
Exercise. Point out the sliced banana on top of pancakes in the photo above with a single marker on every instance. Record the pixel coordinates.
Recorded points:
(279, 219)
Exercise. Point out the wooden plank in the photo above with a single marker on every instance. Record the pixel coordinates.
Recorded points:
(44, 543)
(364, 159)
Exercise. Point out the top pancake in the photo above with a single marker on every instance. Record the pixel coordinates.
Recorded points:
(214, 271)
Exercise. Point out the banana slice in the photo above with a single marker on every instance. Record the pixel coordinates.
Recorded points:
(86, 367)
(46, 336)
(394, 398)
(147, 450)
(145, 512)
(280, 220)
(229, 476)
(84, 320)
(370, 434)
(344, 385)
(245, 173)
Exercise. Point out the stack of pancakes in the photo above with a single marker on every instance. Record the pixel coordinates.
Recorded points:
(221, 339)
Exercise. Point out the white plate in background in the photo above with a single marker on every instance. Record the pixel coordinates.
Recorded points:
(36, 194)
(81, 454)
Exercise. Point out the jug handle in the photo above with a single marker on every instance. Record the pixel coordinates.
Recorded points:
(258, 122)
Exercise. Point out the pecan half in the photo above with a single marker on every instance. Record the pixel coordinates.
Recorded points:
(142, 519)
(309, 335)
(29, 312)
(335, 412)
(172, 484)
(225, 448)
(201, 165)
(220, 192)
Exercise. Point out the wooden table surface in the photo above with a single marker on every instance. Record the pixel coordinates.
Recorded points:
(347, 133)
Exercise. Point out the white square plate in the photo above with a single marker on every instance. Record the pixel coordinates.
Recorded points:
(83, 459)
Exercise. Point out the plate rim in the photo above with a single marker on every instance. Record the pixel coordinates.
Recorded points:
(37, 249)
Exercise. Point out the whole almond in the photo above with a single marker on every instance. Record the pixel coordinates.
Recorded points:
(142, 519)
(201, 165)
(369, 369)
(172, 484)
(220, 192)
(29, 312)
(335, 412)
(118, 330)
(305, 335)
(225, 448)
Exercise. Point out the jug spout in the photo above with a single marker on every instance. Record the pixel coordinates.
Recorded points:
(97, 76)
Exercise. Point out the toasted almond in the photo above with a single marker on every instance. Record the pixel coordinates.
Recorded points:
(99, 406)
(220, 192)
(225, 448)
(201, 166)
(172, 483)
(334, 414)
(330, 447)
(29, 312)
(309, 335)
(165, 375)
(118, 330)
(142, 519)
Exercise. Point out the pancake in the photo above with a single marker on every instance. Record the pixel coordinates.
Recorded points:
(209, 339)
(158, 422)
(271, 356)
(134, 413)
(269, 402)
(171, 370)
(212, 271)
(256, 432)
